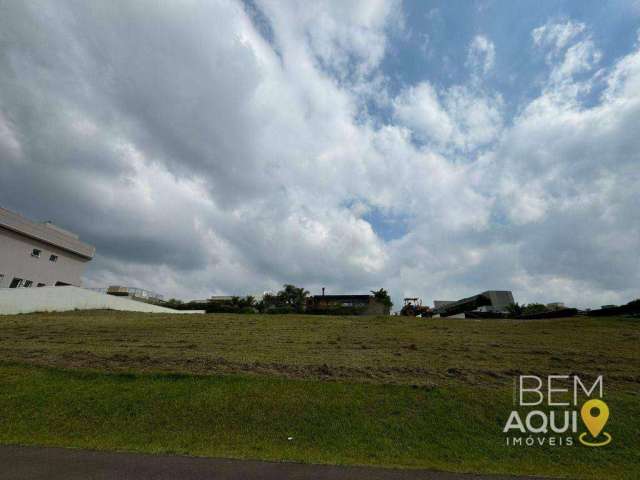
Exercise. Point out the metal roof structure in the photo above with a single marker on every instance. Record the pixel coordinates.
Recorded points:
(338, 298)
(494, 298)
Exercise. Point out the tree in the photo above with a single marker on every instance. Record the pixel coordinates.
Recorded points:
(268, 300)
(383, 297)
(249, 301)
(293, 296)
(289, 299)
(533, 308)
(515, 309)
(174, 303)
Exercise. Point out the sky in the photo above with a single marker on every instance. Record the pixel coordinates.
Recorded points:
(436, 149)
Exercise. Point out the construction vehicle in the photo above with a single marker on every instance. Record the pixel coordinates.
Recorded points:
(413, 308)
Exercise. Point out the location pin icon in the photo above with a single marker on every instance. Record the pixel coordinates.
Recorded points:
(595, 421)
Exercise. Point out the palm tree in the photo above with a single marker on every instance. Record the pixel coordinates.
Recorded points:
(383, 297)
(293, 296)
(250, 301)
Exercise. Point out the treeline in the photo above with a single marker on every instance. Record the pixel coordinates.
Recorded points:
(539, 310)
(530, 309)
(631, 308)
(290, 299)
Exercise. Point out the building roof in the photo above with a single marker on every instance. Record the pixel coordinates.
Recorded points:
(342, 297)
(488, 298)
(45, 232)
(133, 292)
(220, 298)
(442, 303)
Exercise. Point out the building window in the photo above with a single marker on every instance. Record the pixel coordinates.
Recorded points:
(28, 284)
(16, 283)
(53, 258)
(42, 285)
(36, 252)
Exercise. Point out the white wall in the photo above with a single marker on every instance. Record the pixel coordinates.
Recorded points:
(63, 299)
(16, 261)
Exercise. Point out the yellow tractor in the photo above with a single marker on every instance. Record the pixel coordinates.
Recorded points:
(413, 308)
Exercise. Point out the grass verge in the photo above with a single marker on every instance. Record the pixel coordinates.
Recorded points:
(450, 427)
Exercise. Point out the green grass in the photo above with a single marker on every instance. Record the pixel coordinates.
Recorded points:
(373, 391)
(397, 350)
(456, 429)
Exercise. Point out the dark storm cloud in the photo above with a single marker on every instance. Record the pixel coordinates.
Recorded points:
(78, 81)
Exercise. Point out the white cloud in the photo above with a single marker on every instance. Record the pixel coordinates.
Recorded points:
(571, 51)
(461, 117)
(348, 38)
(579, 58)
(624, 80)
(201, 157)
(557, 35)
(482, 54)
(420, 109)
(477, 115)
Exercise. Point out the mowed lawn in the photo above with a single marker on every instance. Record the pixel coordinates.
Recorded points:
(406, 392)
(397, 350)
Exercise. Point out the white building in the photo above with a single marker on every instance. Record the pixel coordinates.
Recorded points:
(36, 254)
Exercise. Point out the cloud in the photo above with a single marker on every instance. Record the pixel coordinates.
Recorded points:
(460, 117)
(345, 38)
(215, 147)
(568, 178)
(482, 54)
(202, 152)
(579, 58)
(574, 39)
(419, 108)
(557, 35)
(9, 144)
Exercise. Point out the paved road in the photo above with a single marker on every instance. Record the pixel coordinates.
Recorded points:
(18, 463)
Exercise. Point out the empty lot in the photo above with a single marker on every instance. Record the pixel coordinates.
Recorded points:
(388, 391)
(398, 350)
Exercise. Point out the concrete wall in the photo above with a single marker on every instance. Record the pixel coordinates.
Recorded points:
(62, 299)
(16, 261)
(376, 308)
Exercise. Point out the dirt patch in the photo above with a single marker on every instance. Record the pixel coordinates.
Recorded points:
(85, 360)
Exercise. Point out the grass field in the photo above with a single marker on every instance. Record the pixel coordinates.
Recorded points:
(378, 391)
